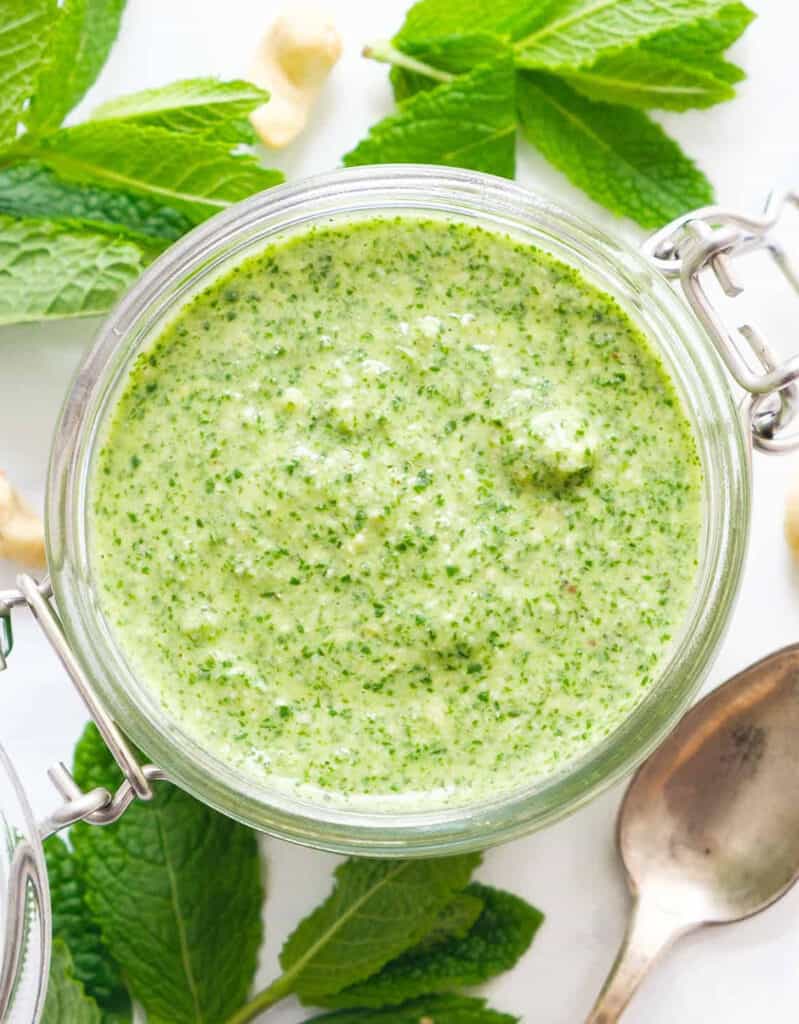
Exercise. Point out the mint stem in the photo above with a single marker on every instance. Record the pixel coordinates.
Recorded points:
(388, 54)
(279, 989)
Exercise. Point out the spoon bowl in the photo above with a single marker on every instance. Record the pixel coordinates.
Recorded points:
(709, 827)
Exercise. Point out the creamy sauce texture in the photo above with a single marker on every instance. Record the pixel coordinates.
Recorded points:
(399, 513)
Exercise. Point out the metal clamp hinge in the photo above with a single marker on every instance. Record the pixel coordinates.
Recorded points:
(708, 240)
(99, 806)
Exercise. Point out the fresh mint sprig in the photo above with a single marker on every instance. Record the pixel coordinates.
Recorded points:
(584, 75)
(85, 208)
(163, 907)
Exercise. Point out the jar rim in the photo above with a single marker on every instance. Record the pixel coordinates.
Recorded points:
(221, 242)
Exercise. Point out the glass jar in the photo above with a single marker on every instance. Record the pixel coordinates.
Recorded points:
(721, 435)
(705, 361)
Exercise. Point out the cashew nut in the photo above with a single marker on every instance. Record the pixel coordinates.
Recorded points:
(294, 59)
(21, 531)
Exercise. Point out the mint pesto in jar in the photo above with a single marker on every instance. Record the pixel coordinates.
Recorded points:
(401, 513)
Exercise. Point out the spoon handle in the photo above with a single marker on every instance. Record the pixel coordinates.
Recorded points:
(649, 932)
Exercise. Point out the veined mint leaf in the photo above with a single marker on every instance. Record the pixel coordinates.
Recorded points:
(377, 910)
(31, 190)
(56, 270)
(431, 1010)
(638, 77)
(82, 35)
(615, 154)
(704, 36)
(501, 934)
(581, 31)
(67, 1002)
(24, 32)
(453, 54)
(202, 106)
(454, 921)
(176, 890)
(702, 41)
(468, 122)
(72, 922)
(197, 176)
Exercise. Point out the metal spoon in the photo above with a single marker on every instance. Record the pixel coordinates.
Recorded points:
(709, 827)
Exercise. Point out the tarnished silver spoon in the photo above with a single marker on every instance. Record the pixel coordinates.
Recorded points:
(709, 827)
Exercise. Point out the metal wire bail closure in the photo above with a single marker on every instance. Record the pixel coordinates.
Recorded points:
(99, 806)
(708, 240)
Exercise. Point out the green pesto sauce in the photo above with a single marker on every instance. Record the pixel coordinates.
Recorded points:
(399, 513)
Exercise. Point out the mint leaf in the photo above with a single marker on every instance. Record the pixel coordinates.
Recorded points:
(584, 30)
(72, 922)
(202, 106)
(432, 1010)
(615, 154)
(377, 910)
(67, 1002)
(469, 122)
(456, 54)
(31, 190)
(643, 78)
(702, 41)
(176, 890)
(501, 934)
(24, 30)
(197, 176)
(455, 920)
(56, 270)
(82, 35)
(457, 37)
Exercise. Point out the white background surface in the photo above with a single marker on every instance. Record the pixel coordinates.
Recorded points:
(744, 973)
